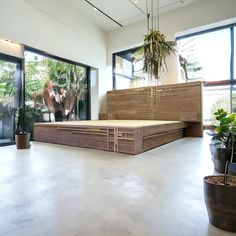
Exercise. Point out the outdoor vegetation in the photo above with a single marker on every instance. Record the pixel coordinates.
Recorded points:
(56, 88)
(7, 99)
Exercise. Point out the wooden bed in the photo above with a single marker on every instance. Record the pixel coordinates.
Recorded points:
(137, 120)
(123, 136)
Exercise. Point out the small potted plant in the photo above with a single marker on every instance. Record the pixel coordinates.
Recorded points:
(221, 142)
(22, 136)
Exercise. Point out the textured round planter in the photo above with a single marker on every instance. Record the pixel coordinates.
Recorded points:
(220, 200)
(220, 157)
(22, 141)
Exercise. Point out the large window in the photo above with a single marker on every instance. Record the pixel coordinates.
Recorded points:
(55, 89)
(209, 57)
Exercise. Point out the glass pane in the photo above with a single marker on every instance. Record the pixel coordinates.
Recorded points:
(7, 100)
(55, 90)
(122, 82)
(214, 98)
(123, 73)
(123, 67)
(129, 70)
(206, 57)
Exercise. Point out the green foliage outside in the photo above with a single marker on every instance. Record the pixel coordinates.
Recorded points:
(7, 75)
(70, 77)
(7, 98)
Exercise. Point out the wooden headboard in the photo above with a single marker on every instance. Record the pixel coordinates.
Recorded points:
(181, 102)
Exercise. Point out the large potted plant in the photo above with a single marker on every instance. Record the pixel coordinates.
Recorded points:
(220, 195)
(220, 200)
(22, 136)
(220, 190)
(221, 142)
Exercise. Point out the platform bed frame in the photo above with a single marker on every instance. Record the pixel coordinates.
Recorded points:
(180, 104)
(111, 137)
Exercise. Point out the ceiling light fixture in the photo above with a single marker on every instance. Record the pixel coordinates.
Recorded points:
(103, 13)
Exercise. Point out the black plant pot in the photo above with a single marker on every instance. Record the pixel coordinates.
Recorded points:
(220, 157)
(220, 201)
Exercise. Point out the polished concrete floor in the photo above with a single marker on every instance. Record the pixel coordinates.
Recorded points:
(66, 191)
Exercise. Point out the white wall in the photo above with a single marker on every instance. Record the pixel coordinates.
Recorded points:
(199, 14)
(11, 48)
(73, 38)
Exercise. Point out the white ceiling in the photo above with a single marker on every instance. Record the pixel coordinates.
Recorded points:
(124, 12)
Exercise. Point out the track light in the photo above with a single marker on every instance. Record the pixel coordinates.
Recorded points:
(96, 8)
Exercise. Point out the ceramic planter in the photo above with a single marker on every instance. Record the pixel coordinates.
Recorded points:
(220, 156)
(220, 200)
(22, 141)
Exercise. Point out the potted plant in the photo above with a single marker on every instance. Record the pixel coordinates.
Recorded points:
(22, 136)
(221, 142)
(220, 196)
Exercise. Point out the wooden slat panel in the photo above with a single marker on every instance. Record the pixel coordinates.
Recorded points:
(46, 134)
(181, 102)
(162, 138)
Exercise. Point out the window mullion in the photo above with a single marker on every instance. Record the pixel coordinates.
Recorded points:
(232, 53)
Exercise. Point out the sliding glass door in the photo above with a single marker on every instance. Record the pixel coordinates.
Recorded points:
(10, 69)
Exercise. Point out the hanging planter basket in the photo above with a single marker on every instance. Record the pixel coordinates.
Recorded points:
(156, 50)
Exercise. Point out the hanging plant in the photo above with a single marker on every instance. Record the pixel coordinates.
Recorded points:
(156, 50)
